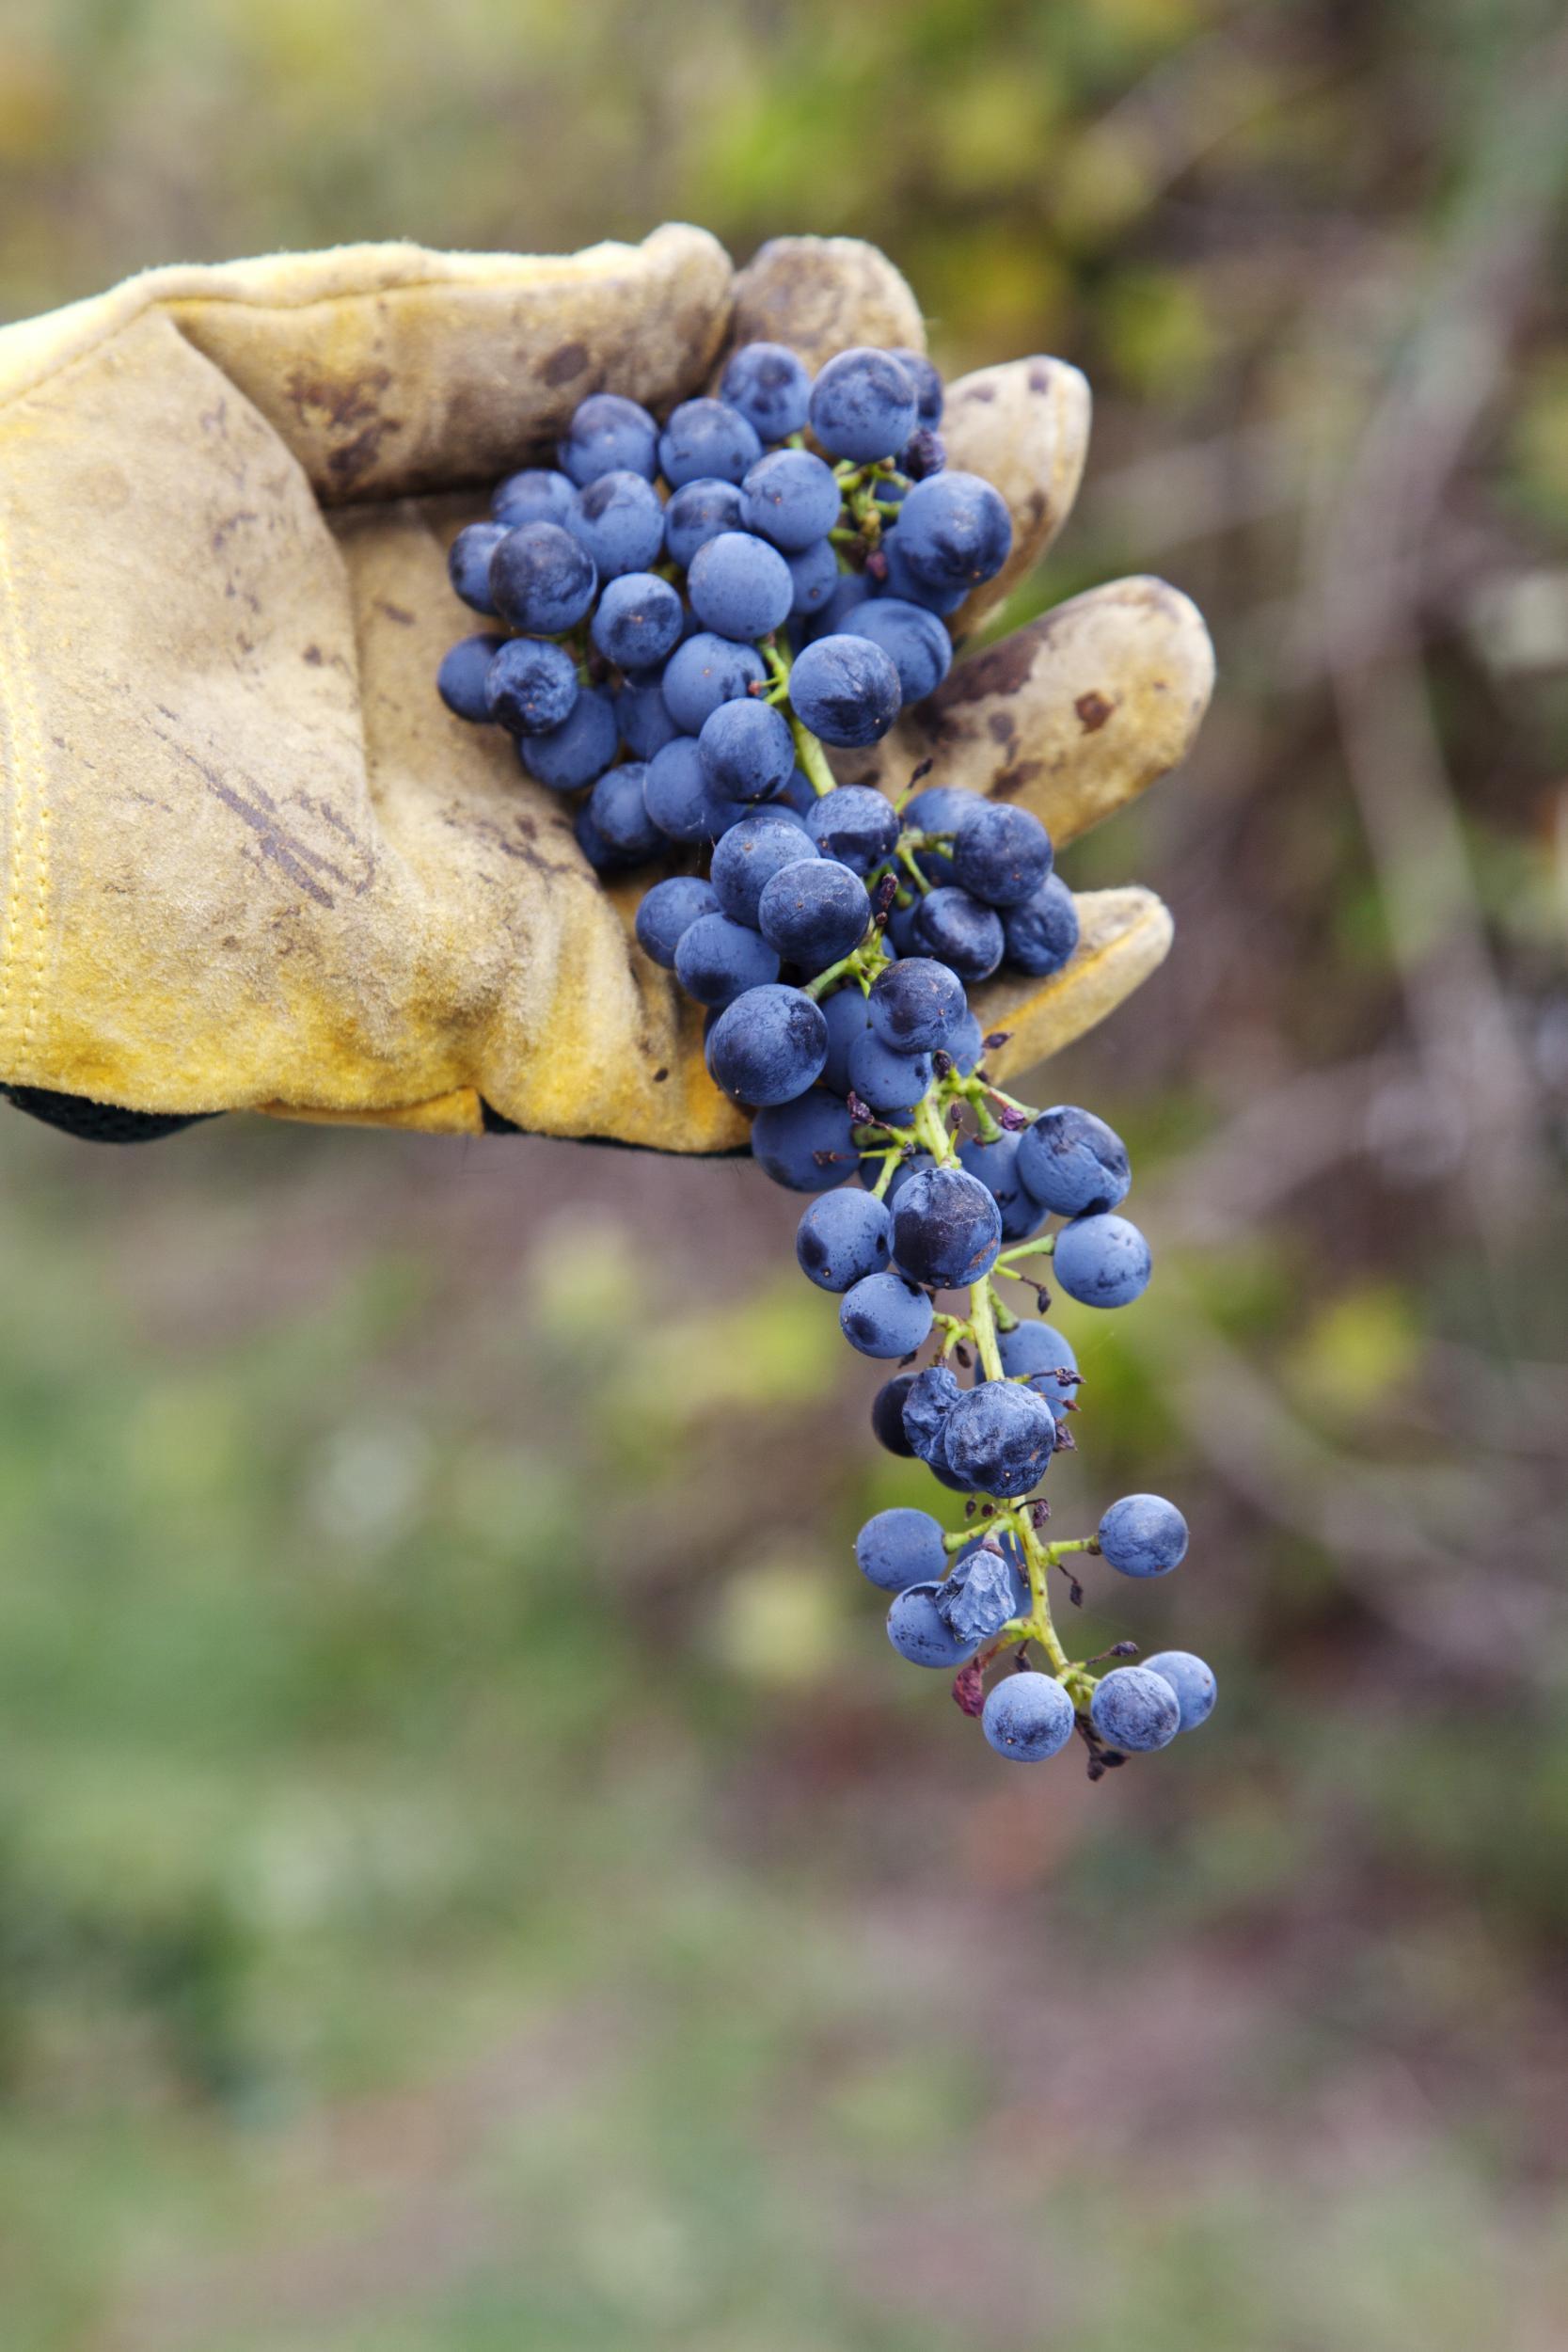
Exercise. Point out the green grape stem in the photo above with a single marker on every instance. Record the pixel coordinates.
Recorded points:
(810, 757)
(862, 964)
(911, 840)
(928, 1130)
(1044, 1247)
(1038, 1627)
(857, 485)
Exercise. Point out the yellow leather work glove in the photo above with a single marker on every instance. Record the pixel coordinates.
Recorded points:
(252, 862)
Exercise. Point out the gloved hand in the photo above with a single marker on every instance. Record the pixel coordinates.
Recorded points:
(251, 861)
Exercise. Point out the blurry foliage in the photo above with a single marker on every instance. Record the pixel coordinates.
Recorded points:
(471, 1873)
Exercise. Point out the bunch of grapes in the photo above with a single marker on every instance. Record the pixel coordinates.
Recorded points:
(680, 659)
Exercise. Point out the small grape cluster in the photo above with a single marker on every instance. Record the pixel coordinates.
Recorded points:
(956, 1196)
(683, 660)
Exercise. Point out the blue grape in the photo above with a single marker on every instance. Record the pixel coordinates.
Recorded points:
(926, 379)
(1000, 854)
(913, 640)
(946, 1229)
(771, 387)
(1042, 932)
(638, 621)
(967, 1045)
(705, 672)
(608, 435)
(542, 579)
(769, 1046)
(815, 574)
(932, 1396)
(699, 512)
(923, 455)
(1191, 1679)
(798, 795)
(863, 405)
(790, 497)
(747, 750)
(845, 689)
(915, 1629)
(903, 583)
(670, 908)
(595, 848)
(994, 1165)
(749, 856)
(841, 1239)
(717, 961)
(460, 679)
(887, 1415)
(961, 932)
(1135, 1710)
(899, 930)
(1143, 1536)
(954, 530)
(899, 1547)
(945, 1477)
(1000, 1437)
(469, 560)
(645, 723)
(740, 586)
(538, 495)
(940, 809)
(1073, 1164)
(805, 1145)
(982, 1595)
(812, 911)
(582, 748)
(845, 1016)
(620, 812)
(784, 805)
(884, 1315)
(532, 685)
(1036, 1353)
(891, 1084)
(706, 440)
(855, 825)
(848, 593)
(1028, 1717)
(680, 800)
(1101, 1261)
(620, 522)
(916, 1004)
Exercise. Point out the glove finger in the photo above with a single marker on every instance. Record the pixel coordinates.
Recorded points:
(386, 369)
(1025, 428)
(1123, 935)
(1071, 716)
(818, 295)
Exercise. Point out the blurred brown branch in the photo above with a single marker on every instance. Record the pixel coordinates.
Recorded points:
(1364, 565)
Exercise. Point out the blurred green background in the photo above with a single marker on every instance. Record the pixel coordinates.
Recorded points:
(471, 1873)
